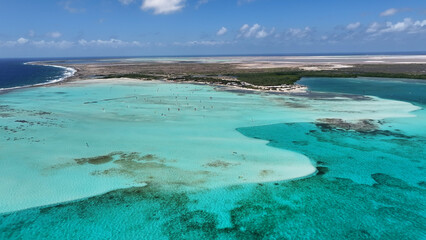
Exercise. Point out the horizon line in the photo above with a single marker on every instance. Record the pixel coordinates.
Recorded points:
(238, 55)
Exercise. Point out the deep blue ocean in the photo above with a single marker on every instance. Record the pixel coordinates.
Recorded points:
(15, 73)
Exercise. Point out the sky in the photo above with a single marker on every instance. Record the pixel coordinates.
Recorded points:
(78, 28)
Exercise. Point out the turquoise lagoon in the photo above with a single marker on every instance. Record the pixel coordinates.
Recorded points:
(120, 159)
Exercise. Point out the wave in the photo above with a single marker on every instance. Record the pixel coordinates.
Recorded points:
(69, 72)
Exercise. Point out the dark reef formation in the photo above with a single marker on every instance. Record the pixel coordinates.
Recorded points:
(363, 125)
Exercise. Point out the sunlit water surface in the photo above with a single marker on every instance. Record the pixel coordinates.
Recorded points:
(155, 160)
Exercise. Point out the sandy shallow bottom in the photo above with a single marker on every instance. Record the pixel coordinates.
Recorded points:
(188, 161)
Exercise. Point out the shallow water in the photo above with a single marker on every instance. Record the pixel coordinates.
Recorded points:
(188, 161)
(411, 90)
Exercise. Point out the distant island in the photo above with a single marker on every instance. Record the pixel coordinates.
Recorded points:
(264, 73)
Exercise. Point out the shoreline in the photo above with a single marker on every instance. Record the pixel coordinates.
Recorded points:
(284, 88)
(269, 74)
(69, 72)
(295, 88)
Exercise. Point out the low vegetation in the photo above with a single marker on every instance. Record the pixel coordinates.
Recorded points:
(290, 77)
(267, 78)
(206, 79)
(133, 75)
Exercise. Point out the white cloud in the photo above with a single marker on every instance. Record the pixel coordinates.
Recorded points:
(54, 34)
(69, 8)
(353, 26)
(31, 33)
(222, 31)
(111, 43)
(52, 44)
(126, 2)
(255, 31)
(162, 6)
(41, 44)
(8, 44)
(399, 26)
(261, 34)
(22, 40)
(244, 27)
(374, 27)
(201, 2)
(389, 12)
(114, 43)
(201, 43)
(420, 23)
(19, 41)
(252, 31)
(405, 26)
(299, 33)
(240, 2)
